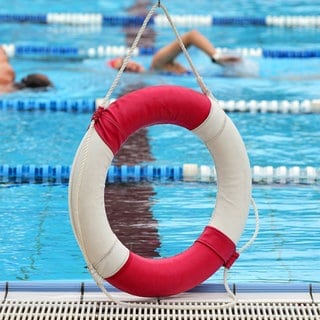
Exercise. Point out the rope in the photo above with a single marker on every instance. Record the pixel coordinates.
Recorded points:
(255, 234)
(89, 105)
(77, 186)
(242, 249)
(95, 19)
(205, 90)
(105, 100)
(59, 174)
(71, 52)
(96, 276)
(203, 87)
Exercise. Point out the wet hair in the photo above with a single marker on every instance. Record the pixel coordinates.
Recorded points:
(34, 80)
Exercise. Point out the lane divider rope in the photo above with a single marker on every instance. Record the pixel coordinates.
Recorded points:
(15, 50)
(59, 174)
(161, 21)
(89, 105)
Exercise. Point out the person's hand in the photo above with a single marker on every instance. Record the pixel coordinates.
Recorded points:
(224, 60)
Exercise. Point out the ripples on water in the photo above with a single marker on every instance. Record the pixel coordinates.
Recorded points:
(159, 220)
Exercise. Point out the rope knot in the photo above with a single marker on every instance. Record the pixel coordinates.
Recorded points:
(231, 260)
(97, 114)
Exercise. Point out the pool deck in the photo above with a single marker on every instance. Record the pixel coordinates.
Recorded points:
(88, 290)
(84, 300)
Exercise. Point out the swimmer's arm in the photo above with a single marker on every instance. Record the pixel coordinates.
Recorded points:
(166, 55)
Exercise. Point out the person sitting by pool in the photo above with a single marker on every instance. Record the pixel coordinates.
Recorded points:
(7, 77)
(164, 58)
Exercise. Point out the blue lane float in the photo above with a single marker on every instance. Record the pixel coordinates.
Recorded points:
(22, 18)
(89, 106)
(68, 105)
(59, 174)
(301, 54)
(161, 21)
(47, 51)
(21, 174)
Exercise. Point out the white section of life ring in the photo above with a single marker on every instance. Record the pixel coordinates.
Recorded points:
(230, 157)
(100, 246)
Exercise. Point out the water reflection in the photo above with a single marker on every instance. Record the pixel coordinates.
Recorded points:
(135, 150)
(130, 217)
(128, 205)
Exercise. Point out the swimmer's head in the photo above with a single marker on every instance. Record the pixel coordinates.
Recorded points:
(34, 80)
(131, 66)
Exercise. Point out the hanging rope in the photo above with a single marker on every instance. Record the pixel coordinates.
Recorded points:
(242, 249)
(105, 102)
(205, 90)
(202, 85)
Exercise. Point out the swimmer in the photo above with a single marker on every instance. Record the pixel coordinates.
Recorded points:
(164, 58)
(7, 77)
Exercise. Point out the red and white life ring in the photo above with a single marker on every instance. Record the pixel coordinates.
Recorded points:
(215, 247)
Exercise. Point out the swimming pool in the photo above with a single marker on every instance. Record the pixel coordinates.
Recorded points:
(37, 234)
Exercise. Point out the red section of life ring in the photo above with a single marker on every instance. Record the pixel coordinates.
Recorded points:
(149, 106)
(164, 277)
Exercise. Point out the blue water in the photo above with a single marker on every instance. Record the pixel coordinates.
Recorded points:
(271, 139)
(36, 241)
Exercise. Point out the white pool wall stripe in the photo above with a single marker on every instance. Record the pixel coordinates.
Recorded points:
(70, 290)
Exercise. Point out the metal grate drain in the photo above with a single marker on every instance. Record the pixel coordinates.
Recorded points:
(96, 310)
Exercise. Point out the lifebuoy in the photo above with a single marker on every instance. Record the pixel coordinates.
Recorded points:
(215, 247)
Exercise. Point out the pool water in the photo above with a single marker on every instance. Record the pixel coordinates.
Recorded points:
(162, 219)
